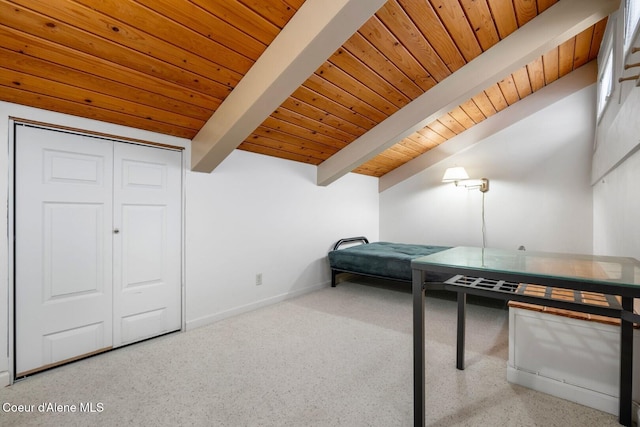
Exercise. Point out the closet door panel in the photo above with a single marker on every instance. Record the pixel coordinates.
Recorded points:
(147, 248)
(63, 249)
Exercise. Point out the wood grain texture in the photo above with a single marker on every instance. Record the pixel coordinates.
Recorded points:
(166, 67)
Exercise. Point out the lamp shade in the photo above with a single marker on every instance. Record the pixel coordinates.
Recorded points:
(455, 174)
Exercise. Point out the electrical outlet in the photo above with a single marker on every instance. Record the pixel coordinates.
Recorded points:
(258, 279)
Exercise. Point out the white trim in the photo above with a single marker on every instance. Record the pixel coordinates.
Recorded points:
(213, 318)
(5, 379)
(10, 251)
(573, 393)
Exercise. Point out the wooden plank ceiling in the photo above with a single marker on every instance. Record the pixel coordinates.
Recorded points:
(166, 66)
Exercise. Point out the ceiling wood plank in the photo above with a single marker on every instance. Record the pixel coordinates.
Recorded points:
(431, 135)
(400, 154)
(455, 20)
(421, 140)
(525, 10)
(545, 4)
(497, 98)
(361, 48)
(397, 21)
(296, 148)
(484, 104)
(551, 68)
(508, 89)
(301, 132)
(505, 16)
(472, 110)
(293, 117)
(535, 70)
(559, 23)
(322, 117)
(380, 37)
(428, 22)
(382, 162)
(349, 117)
(244, 18)
(24, 65)
(566, 55)
(576, 81)
(92, 67)
(522, 82)
(441, 130)
(64, 34)
(462, 117)
(277, 152)
(145, 32)
(357, 88)
(325, 88)
(278, 12)
(292, 144)
(198, 32)
(84, 97)
(582, 51)
(482, 23)
(411, 144)
(451, 123)
(54, 103)
(596, 41)
(314, 32)
(366, 77)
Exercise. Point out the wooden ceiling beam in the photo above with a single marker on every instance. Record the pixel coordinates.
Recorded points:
(314, 33)
(572, 83)
(557, 24)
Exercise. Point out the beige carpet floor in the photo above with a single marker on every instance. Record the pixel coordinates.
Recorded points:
(336, 357)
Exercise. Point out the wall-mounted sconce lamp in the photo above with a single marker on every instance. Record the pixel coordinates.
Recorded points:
(459, 177)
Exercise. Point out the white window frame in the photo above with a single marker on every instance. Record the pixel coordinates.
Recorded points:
(605, 78)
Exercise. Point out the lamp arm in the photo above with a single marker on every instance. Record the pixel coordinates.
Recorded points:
(482, 184)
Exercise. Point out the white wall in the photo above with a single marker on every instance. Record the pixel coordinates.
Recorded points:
(540, 194)
(616, 200)
(255, 214)
(616, 161)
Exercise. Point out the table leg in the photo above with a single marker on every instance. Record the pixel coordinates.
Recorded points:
(626, 365)
(418, 349)
(462, 314)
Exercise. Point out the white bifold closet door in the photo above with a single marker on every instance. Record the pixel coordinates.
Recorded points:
(146, 244)
(98, 245)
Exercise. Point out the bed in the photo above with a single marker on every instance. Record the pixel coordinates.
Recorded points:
(385, 260)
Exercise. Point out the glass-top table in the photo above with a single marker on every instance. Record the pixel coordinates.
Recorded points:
(537, 278)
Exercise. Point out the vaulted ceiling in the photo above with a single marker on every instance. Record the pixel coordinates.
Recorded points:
(340, 84)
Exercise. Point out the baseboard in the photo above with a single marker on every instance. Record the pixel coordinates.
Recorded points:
(216, 317)
(583, 396)
(5, 379)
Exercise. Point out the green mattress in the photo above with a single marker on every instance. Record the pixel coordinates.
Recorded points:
(383, 259)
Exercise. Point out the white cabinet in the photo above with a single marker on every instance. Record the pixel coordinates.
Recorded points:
(571, 358)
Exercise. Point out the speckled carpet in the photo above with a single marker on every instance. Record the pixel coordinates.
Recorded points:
(336, 357)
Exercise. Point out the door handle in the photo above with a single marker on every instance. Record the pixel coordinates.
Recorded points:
(116, 231)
